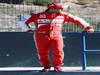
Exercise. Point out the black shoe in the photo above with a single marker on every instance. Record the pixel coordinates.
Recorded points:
(46, 68)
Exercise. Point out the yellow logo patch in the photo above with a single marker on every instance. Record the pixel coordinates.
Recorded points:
(42, 16)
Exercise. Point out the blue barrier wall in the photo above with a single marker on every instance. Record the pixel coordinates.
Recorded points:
(17, 49)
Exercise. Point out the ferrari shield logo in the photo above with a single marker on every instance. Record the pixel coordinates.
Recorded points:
(42, 16)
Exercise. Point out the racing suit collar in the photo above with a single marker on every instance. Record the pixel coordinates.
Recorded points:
(52, 13)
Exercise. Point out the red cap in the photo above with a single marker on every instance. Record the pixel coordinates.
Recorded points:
(55, 4)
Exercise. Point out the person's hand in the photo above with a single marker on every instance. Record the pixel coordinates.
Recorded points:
(90, 31)
(30, 31)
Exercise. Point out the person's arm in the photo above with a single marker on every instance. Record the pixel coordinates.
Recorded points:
(28, 26)
(77, 20)
(27, 22)
(30, 20)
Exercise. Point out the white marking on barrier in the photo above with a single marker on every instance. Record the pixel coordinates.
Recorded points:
(66, 69)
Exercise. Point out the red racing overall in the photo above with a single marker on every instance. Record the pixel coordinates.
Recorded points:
(49, 37)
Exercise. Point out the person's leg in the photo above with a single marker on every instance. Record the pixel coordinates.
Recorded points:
(58, 54)
(42, 44)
